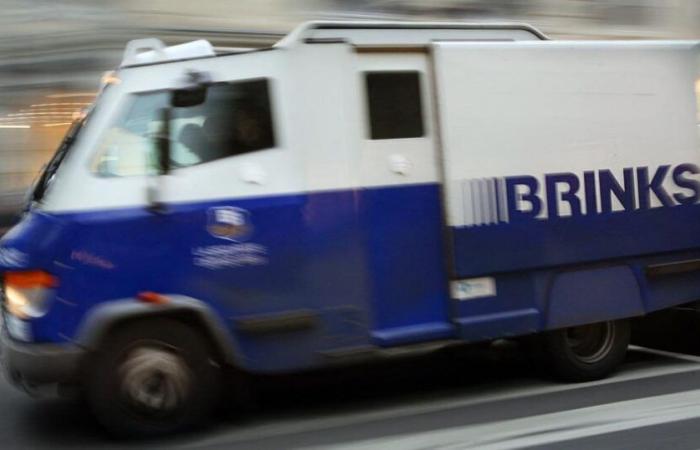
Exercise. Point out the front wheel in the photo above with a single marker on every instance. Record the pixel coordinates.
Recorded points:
(586, 352)
(152, 377)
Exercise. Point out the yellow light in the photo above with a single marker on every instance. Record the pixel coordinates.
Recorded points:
(110, 78)
(16, 302)
(28, 293)
(15, 126)
(56, 124)
(74, 94)
(38, 105)
(67, 113)
(53, 109)
(22, 120)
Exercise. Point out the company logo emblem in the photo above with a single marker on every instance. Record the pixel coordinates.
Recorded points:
(227, 222)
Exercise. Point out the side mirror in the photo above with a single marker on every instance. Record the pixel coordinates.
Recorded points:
(193, 93)
(183, 98)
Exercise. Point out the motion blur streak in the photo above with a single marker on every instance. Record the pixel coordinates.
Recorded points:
(54, 52)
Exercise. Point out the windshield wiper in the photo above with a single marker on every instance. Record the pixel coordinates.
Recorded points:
(51, 168)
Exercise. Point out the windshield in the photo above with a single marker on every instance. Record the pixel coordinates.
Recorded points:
(47, 176)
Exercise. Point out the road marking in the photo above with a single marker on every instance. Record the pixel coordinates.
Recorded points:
(667, 354)
(314, 424)
(547, 428)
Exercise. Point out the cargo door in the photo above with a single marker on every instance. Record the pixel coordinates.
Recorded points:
(399, 137)
(399, 199)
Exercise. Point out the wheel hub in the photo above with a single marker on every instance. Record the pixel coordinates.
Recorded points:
(154, 380)
(591, 343)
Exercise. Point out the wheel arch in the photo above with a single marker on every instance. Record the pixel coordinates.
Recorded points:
(105, 318)
(593, 294)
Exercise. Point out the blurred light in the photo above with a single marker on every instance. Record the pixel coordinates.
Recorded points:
(45, 114)
(74, 94)
(27, 293)
(18, 120)
(152, 297)
(41, 105)
(110, 78)
(57, 114)
(51, 108)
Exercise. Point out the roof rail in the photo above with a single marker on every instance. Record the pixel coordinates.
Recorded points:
(302, 32)
(151, 50)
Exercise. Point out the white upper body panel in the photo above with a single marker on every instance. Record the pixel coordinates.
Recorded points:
(503, 108)
(526, 108)
(269, 171)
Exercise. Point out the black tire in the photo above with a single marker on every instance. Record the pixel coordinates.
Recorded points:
(586, 353)
(151, 378)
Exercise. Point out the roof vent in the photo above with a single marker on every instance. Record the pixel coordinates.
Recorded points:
(152, 50)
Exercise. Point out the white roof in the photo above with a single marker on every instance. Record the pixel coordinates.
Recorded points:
(347, 30)
(152, 50)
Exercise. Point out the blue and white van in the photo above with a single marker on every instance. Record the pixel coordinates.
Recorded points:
(357, 188)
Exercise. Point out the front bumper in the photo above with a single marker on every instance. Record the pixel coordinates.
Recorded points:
(29, 365)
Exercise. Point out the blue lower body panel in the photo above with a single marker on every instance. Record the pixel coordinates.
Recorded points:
(534, 243)
(570, 295)
(370, 264)
(566, 271)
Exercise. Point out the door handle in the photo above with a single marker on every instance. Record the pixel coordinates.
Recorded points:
(399, 164)
(252, 174)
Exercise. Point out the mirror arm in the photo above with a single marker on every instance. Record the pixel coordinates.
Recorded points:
(153, 194)
(164, 144)
(156, 184)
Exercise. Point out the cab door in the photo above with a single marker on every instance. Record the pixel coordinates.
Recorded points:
(401, 212)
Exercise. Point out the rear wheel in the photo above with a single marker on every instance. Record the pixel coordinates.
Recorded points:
(152, 377)
(586, 352)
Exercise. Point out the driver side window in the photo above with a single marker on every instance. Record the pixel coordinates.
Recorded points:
(234, 119)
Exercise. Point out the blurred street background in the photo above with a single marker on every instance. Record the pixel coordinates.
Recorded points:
(52, 55)
(53, 52)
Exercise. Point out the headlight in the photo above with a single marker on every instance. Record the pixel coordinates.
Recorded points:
(27, 294)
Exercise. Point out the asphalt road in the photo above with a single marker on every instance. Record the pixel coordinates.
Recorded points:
(480, 399)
